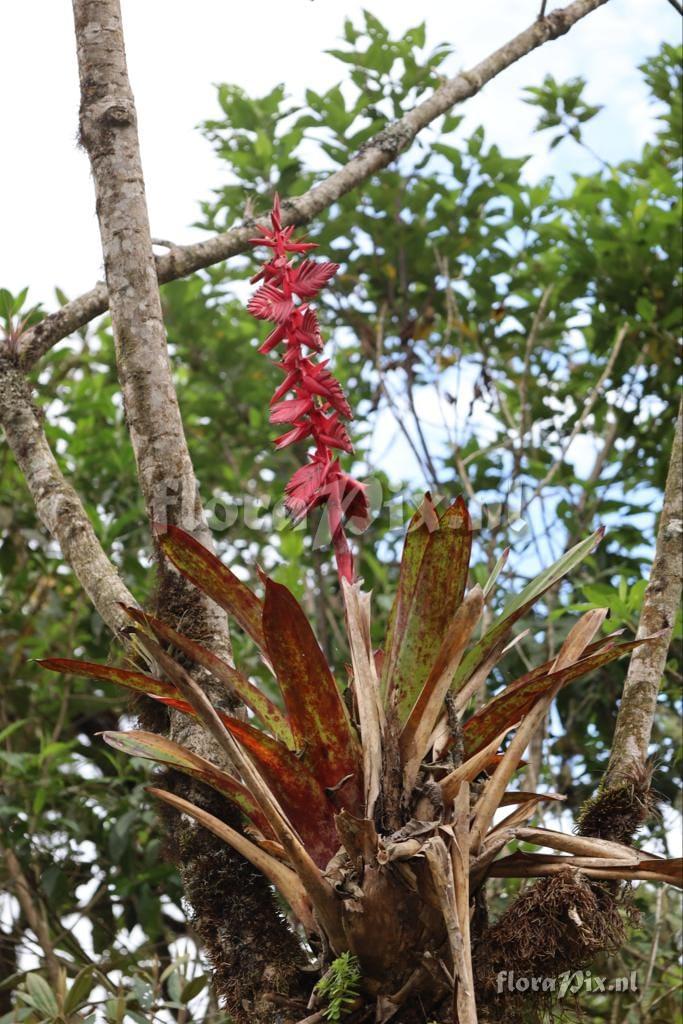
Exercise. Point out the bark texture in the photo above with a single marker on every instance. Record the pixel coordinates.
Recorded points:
(377, 154)
(108, 132)
(245, 918)
(661, 601)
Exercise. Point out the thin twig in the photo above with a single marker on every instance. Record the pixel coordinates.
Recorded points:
(532, 338)
(34, 915)
(588, 406)
(655, 941)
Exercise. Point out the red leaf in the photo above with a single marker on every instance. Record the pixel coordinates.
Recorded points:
(273, 340)
(209, 574)
(296, 788)
(317, 714)
(292, 780)
(237, 684)
(303, 490)
(290, 410)
(132, 680)
(414, 547)
(298, 433)
(310, 331)
(288, 383)
(164, 751)
(517, 699)
(331, 431)
(319, 381)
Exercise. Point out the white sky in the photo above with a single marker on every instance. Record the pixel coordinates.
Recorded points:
(177, 50)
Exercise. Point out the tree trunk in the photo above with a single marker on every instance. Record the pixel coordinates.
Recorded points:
(250, 946)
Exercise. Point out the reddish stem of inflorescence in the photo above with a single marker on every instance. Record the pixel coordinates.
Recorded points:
(310, 399)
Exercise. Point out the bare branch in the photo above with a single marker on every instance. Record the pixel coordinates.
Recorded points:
(532, 339)
(588, 406)
(378, 153)
(660, 603)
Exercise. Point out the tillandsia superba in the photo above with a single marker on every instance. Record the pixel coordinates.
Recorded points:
(373, 818)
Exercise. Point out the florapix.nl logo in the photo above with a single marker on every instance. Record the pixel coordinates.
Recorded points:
(566, 983)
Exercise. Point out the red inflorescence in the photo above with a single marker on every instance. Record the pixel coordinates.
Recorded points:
(310, 399)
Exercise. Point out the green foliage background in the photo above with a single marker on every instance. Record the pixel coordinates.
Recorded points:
(446, 259)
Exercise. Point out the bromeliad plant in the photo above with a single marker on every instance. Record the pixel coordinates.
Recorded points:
(373, 817)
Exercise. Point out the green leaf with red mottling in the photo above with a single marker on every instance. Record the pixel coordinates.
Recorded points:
(417, 535)
(164, 751)
(295, 786)
(519, 697)
(133, 680)
(238, 685)
(209, 574)
(431, 588)
(316, 712)
(518, 605)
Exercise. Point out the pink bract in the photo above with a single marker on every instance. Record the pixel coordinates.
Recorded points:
(310, 400)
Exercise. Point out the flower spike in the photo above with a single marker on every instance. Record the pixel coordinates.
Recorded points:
(310, 399)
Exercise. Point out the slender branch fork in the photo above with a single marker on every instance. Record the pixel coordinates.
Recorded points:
(588, 405)
(377, 154)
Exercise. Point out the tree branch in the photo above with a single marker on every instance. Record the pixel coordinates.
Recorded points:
(108, 133)
(377, 154)
(531, 341)
(646, 667)
(57, 504)
(34, 915)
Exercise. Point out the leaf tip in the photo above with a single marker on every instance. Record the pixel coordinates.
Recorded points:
(427, 513)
